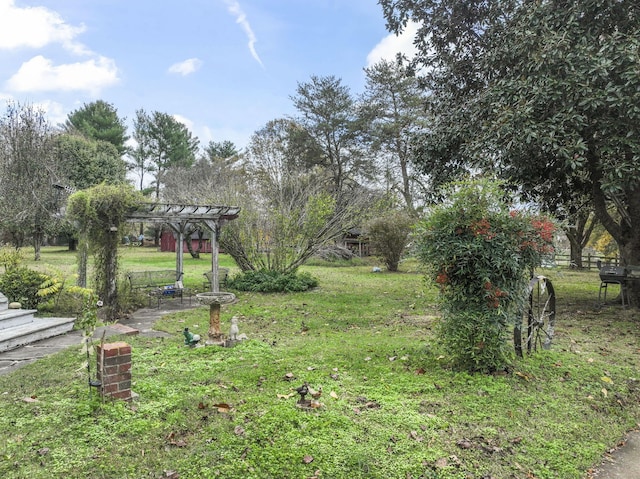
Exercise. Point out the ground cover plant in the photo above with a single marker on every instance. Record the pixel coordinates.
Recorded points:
(392, 407)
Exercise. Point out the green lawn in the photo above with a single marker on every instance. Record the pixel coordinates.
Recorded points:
(391, 407)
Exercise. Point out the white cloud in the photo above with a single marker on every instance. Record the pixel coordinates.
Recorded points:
(184, 120)
(40, 74)
(35, 27)
(186, 67)
(234, 8)
(393, 44)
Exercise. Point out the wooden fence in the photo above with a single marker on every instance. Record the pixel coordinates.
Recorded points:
(589, 261)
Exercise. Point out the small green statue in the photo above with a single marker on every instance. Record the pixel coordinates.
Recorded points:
(190, 339)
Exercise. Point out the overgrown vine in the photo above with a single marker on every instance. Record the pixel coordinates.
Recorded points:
(100, 212)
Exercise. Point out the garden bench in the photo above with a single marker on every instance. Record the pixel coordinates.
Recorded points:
(223, 274)
(157, 284)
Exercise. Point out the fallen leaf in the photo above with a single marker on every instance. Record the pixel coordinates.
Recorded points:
(367, 358)
(202, 405)
(414, 436)
(289, 377)
(238, 431)
(393, 358)
(286, 396)
(307, 459)
(310, 368)
(222, 407)
(590, 360)
(30, 399)
(171, 475)
(44, 451)
(604, 392)
(333, 394)
(606, 379)
(315, 404)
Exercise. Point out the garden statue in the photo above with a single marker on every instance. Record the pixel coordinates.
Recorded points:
(233, 331)
(190, 339)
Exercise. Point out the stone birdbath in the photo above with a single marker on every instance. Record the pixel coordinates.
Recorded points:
(215, 300)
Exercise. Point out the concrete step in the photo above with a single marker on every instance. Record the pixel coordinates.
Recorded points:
(39, 328)
(4, 302)
(10, 318)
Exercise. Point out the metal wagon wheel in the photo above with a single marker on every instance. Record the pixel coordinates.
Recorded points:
(538, 321)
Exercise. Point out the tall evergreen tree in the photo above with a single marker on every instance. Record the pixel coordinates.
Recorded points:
(162, 143)
(99, 120)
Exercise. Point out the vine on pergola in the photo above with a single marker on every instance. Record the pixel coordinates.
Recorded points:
(100, 212)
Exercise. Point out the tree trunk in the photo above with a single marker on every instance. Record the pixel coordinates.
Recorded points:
(575, 260)
(37, 245)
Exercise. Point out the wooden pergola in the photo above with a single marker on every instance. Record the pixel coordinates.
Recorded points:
(179, 217)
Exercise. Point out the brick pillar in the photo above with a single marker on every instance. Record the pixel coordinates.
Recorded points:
(114, 370)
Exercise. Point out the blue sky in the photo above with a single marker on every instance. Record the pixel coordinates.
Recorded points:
(222, 67)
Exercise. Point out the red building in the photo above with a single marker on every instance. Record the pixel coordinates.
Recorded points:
(168, 242)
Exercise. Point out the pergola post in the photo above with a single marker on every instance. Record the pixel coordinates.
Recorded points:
(215, 280)
(179, 233)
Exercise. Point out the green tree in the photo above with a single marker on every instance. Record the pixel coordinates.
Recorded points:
(393, 104)
(86, 162)
(329, 131)
(223, 150)
(547, 93)
(162, 143)
(389, 235)
(99, 120)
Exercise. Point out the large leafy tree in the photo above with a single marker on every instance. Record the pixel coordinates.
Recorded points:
(545, 92)
(86, 162)
(162, 143)
(82, 163)
(99, 120)
(27, 172)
